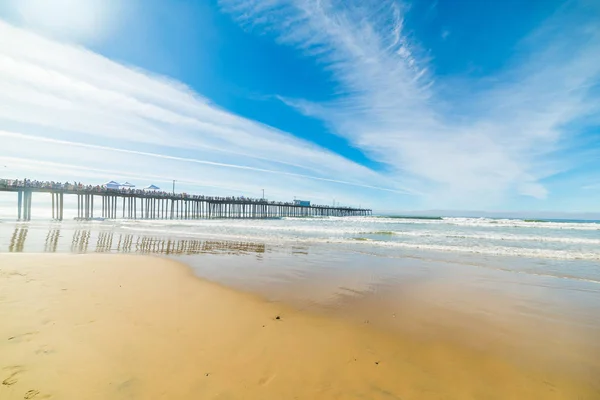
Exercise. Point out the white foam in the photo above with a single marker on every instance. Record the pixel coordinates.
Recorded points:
(493, 236)
(517, 223)
(495, 250)
(479, 222)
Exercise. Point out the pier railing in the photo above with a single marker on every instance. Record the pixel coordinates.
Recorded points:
(129, 203)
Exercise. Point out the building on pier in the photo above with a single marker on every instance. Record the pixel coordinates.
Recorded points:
(302, 203)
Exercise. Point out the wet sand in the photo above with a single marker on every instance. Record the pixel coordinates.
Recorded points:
(134, 327)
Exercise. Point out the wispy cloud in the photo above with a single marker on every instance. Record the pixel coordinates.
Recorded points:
(65, 105)
(40, 141)
(469, 144)
(591, 186)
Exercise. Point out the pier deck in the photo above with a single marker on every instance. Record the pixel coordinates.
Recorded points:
(139, 204)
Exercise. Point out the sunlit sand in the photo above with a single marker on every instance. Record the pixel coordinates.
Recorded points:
(133, 327)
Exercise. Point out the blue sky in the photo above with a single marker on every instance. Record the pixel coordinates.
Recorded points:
(464, 105)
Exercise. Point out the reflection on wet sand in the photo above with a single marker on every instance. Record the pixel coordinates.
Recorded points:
(51, 242)
(81, 240)
(111, 242)
(17, 240)
(104, 243)
(301, 250)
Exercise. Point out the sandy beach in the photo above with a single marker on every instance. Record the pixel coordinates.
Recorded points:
(138, 327)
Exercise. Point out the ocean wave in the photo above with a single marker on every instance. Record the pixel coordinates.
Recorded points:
(485, 236)
(344, 230)
(352, 225)
(494, 250)
(519, 223)
(478, 222)
(559, 254)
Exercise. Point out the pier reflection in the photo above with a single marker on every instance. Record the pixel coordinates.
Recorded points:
(158, 245)
(84, 241)
(81, 241)
(51, 243)
(127, 243)
(17, 240)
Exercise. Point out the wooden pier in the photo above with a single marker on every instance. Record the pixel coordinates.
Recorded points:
(98, 202)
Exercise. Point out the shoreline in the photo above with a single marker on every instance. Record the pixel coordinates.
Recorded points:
(124, 326)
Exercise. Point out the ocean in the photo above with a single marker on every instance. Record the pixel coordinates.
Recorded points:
(561, 249)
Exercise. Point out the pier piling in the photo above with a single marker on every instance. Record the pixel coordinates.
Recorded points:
(20, 203)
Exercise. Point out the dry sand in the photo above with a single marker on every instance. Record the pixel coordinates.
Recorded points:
(131, 327)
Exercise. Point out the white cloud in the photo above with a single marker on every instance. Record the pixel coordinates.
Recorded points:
(67, 113)
(471, 144)
(77, 20)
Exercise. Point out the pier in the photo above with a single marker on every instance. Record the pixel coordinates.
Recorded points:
(126, 203)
